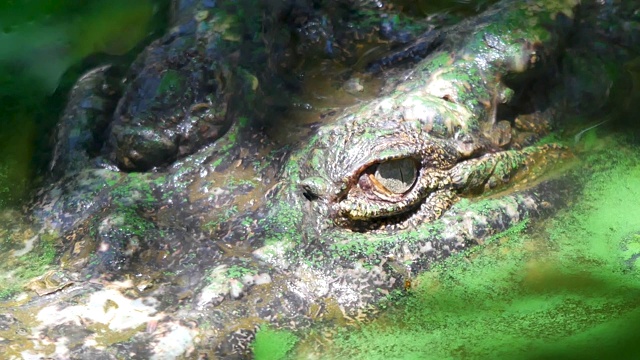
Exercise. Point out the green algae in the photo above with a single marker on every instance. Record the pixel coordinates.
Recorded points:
(273, 344)
(16, 271)
(287, 219)
(223, 218)
(132, 224)
(565, 288)
(236, 272)
(170, 84)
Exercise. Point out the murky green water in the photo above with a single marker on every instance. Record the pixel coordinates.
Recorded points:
(566, 288)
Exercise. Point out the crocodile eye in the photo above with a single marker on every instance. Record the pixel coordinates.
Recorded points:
(390, 192)
(395, 176)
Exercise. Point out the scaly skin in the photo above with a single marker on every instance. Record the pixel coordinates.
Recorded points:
(444, 121)
(181, 89)
(240, 232)
(358, 240)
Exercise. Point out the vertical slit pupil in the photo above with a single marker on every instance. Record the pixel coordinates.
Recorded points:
(398, 175)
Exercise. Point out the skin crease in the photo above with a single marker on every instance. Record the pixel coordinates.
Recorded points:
(235, 231)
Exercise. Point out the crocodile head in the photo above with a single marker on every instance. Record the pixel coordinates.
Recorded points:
(391, 185)
(393, 174)
(359, 207)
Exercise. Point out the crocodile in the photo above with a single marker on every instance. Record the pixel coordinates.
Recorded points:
(189, 227)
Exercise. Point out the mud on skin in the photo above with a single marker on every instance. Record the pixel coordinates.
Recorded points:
(232, 230)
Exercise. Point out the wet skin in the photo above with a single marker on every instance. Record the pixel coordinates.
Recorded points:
(231, 230)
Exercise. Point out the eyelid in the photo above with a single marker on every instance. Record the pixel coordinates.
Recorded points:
(364, 208)
(354, 175)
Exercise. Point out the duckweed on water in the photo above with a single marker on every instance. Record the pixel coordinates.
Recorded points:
(568, 288)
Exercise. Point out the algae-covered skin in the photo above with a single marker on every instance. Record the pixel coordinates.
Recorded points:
(232, 230)
(565, 288)
(375, 181)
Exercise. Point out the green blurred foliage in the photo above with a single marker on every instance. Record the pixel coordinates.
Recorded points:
(39, 40)
(44, 45)
(16, 151)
